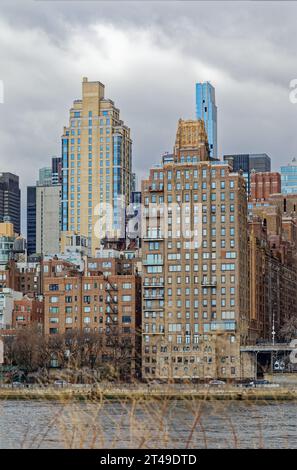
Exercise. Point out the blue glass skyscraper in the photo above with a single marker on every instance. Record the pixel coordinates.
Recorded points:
(206, 109)
(289, 177)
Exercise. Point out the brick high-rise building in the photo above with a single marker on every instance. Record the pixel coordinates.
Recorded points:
(195, 264)
(104, 299)
(272, 272)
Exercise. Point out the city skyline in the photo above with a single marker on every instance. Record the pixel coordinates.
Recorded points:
(156, 68)
(148, 228)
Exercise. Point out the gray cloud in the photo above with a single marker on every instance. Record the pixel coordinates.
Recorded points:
(149, 55)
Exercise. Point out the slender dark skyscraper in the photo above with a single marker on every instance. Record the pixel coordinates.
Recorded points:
(56, 170)
(10, 199)
(31, 219)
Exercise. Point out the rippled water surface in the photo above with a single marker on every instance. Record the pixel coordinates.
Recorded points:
(172, 424)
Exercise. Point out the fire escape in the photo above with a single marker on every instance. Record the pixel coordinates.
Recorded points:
(111, 301)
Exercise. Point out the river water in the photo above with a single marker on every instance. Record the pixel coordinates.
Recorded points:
(172, 424)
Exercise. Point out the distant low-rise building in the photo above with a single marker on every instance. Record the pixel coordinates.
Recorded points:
(25, 277)
(7, 298)
(27, 312)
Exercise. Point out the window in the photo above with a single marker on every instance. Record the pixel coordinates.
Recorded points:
(127, 285)
(53, 287)
(126, 298)
(126, 319)
(54, 310)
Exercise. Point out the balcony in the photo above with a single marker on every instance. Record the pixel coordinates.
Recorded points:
(152, 286)
(154, 215)
(156, 187)
(156, 333)
(153, 309)
(153, 262)
(153, 237)
(207, 283)
(155, 297)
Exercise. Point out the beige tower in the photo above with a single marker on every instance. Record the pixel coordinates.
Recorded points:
(195, 264)
(96, 160)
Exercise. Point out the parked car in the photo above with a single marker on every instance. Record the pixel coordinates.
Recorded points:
(60, 383)
(217, 383)
(17, 385)
(258, 383)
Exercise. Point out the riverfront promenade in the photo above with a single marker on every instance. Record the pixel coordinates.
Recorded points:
(149, 392)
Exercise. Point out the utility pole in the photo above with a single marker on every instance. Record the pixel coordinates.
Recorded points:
(273, 341)
(273, 328)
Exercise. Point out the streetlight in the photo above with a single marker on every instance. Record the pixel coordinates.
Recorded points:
(273, 329)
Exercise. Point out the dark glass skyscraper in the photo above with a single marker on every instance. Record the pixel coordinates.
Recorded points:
(246, 162)
(31, 219)
(56, 170)
(206, 109)
(10, 200)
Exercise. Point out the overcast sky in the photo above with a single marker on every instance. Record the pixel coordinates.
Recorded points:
(149, 56)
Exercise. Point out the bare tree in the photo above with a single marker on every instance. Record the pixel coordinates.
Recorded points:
(289, 328)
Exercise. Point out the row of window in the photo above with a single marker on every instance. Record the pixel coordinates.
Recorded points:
(185, 370)
(70, 320)
(187, 338)
(89, 286)
(188, 303)
(187, 174)
(203, 338)
(187, 197)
